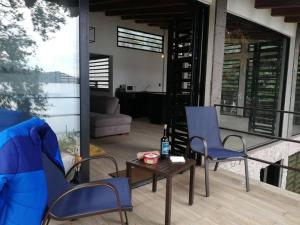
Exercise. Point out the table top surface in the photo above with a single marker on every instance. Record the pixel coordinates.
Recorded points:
(164, 166)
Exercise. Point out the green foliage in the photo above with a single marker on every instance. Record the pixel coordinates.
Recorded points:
(68, 143)
(47, 18)
(22, 91)
(15, 43)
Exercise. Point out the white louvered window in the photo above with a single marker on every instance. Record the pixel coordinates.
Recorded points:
(129, 38)
(100, 72)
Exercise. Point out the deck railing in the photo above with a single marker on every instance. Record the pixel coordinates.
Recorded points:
(248, 115)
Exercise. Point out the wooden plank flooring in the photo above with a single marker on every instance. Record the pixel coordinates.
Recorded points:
(229, 203)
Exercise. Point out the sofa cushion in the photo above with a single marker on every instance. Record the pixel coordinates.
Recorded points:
(104, 104)
(111, 130)
(104, 120)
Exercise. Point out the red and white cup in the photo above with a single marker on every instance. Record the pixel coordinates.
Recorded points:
(151, 158)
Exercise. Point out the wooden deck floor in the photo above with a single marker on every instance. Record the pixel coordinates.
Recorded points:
(228, 204)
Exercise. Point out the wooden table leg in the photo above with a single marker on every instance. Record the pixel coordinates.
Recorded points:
(192, 184)
(168, 201)
(154, 182)
(128, 174)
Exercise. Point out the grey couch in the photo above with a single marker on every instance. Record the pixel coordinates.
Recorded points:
(105, 117)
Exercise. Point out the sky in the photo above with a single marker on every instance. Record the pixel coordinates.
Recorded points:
(61, 52)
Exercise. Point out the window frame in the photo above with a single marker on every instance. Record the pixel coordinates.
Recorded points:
(94, 56)
(143, 32)
(282, 93)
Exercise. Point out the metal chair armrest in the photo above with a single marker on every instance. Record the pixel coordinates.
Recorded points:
(83, 186)
(238, 136)
(203, 140)
(84, 160)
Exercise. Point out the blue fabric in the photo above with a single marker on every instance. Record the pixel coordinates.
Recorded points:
(23, 185)
(56, 181)
(19, 130)
(13, 148)
(10, 118)
(203, 122)
(96, 199)
(223, 153)
(48, 141)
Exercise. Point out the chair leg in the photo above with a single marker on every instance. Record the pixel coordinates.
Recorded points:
(126, 218)
(121, 217)
(247, 174)
(206, 177)
(46, 220)
(216, 166)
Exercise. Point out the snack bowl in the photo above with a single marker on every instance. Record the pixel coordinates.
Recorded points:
(151, 158)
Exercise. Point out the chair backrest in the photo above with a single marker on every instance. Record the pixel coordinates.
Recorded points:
(56, 181)
(203, 121)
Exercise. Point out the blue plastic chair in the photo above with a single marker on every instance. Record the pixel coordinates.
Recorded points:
(204, 138)
(67, 201)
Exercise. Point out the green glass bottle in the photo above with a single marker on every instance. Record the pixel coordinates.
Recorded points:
(164, 145)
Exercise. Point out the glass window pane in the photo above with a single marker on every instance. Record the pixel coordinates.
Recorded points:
(296, 116)
(39, 66)
(253, 72)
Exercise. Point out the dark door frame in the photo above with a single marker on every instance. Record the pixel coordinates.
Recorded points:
(192, 32)
(84, 85)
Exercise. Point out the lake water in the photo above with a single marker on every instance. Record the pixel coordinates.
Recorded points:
(63, 110)
(62, 107)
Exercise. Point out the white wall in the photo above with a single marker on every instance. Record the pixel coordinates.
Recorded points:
(246, 10)
(142, 69)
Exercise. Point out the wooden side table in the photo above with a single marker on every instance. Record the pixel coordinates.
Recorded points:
(166, 169)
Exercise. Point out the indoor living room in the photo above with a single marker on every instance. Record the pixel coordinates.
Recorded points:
(147, 62)
(128, 72)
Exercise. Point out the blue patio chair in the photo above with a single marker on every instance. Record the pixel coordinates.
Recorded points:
(204, 138)
(68, 202)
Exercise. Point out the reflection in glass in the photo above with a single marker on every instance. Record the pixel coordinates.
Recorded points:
(39, 61)
(293, 177)
(296, 124)
(253, 76)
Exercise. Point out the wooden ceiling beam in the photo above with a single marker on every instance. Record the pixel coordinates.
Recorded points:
(154, 15)
(153, 21)
(267, 4)
(292, 19)
(134, 4)
(286, 12)
(146, 11)
(161, 26)
(158, 24)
